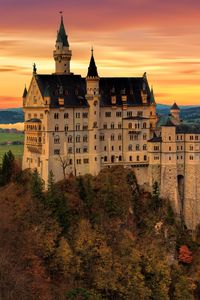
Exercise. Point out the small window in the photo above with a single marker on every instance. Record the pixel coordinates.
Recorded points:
(66, 115)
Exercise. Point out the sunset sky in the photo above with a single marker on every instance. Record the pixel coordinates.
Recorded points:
(129, 37)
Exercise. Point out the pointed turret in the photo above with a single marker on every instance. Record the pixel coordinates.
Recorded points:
(152, 99)
(92, 69)
(62, 54)
(24, 93)
(61, 36)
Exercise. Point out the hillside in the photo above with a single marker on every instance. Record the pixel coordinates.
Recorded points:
(11, 116)
(92, 238)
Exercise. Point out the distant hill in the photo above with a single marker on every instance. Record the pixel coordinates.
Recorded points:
(11, 116)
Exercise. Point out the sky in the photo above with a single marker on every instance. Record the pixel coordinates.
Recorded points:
(129, 37)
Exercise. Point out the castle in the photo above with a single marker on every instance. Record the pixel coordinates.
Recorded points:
(81, 125)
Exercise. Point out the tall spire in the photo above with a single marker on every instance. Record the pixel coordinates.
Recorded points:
(61, 35)
(25, 92)
(92, 69)
(152, 99)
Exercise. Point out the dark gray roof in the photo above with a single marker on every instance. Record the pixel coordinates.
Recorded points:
(70, 87)
(165, 121)
(175, 106)
(73, 89)
(118, 86)
(35, 120)
(92, 69)
(155, 139)
(184, 128)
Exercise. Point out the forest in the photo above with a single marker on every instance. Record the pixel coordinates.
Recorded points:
(92, 238)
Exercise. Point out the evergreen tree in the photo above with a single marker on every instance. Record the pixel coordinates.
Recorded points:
(155, 197)
(37, 186)
(7, 167)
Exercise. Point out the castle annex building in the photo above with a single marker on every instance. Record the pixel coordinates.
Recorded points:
(96, 122)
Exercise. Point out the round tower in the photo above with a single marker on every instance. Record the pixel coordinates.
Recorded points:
(62, 55)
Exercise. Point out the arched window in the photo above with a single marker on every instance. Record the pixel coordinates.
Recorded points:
(102, 137)
(144, 147)
(105, 158)
(56, 116)
(69, 139)
(120, 158)
(138, 158)
(85, 138)
(112, 159)
(129, 125)
(78, 138)
(145, 157)
(144, 125)
(66, 115)
(112, 137)
(66, 128)
(112, 125)
(119, 137)
(137, 147)
(56, 128)
(130, 147)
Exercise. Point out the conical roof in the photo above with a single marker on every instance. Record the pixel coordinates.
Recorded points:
(152, 99)
(175, 106)
(168, 123)
(92, 69)
(61, 35)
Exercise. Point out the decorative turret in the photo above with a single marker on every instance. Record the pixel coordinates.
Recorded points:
(62, 54)
(152, 98)
(175, 113)
(92, 78)
(24, 95)
(92, 69)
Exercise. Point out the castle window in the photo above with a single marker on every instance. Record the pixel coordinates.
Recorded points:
(112, 137)
(138, 158)
(95, 147)
(177, 157)
(95, 125)
(78, 126)
(119, 125)
(144, 136)
(41, 116)
(102, 137)
(56, 128)
(69, 139)
(78, 115)
(112, 125)
(130, 158)
(140, 113)
(112, 148)
(145, 157)
(129, 125)
(120, 158)
(56, 151)
(131, 137)
(78, 138)
(70, 150)
(170, 148)
(86, 160)
(85, 127)
(66, 115)
(66, 128)
(78, 161)
(70, 161)
(112, 159)
(104, 148)
(130, 147)
(181, 147)
(85, 115)
(196, 137)
(144, 125)
(78, 150)
(95, 136)
(170, 158)
(144, 147)
(85, 149)
(104, 126)
(119, 137)
(120, 148)
(107, 114)
(191, 148)
(137, 148)
(191, 137)
(129, 113)
(118, 114)
(191, 157)
(105, 158)
(95, 158)
(85, 138)
(57, 140)
(169, 138)
(181, 157)
(56, 116)
(177, 148)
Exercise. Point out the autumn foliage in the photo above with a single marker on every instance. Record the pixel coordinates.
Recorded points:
(185, 255)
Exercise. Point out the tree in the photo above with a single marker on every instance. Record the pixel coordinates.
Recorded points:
(64, 163)
(37, 186)
(185, 255)
(7, 167)
(155, 197)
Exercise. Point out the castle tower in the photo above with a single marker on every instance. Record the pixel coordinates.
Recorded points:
(169, 174)
(62, 55)
(175, 113)
(153, 116)
(92, 96)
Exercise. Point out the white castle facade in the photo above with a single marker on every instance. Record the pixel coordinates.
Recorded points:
(92, 123)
